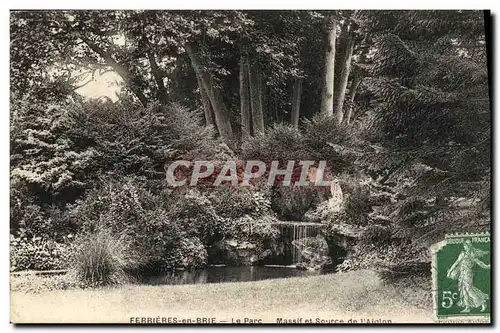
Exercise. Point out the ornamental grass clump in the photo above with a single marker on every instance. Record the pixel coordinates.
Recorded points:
(103, 258)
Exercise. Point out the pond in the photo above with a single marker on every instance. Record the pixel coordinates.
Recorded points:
(216, 274)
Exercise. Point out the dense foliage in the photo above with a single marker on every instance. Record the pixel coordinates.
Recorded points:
(412, 155)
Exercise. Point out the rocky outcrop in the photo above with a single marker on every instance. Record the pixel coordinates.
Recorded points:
(314, 253)
(235, 252)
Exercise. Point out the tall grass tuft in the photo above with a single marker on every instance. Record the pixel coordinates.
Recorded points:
(104, 258)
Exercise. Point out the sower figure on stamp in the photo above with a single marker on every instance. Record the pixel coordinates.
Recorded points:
(462, 270)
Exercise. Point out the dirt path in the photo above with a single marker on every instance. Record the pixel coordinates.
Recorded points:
(358, 296)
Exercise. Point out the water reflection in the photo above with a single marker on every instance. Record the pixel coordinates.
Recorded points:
(226, 274)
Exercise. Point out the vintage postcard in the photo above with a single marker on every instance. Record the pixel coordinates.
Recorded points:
(250, 166)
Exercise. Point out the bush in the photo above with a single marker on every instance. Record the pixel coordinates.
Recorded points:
(237, 202)
(326, 140)
(37, 253)
(167, 229)
(245, 213)
(186, 253)
(292, 203)
(127, 200)
(280, 142)
(33, 284)
(104, 258)
(29, 219)
(46, 154)
(357, 206)
(195, 215)
(133, 140)
(248, 228)
(26, 216)
(225, 213)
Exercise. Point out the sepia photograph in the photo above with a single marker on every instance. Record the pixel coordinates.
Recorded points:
(250, 166)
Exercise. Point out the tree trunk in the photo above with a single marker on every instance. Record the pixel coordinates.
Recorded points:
(329, 73)
(297, 93)
(345, 69)
(220, 111)
(162, 91)
(205, 100)
(245, 99)
(356, 81)
(256, 100)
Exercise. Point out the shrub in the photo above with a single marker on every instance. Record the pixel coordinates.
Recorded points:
(325, 213)
(104, 258)
(45, 152)
(186, 253)
(29, 219)
(280, 142)
(293, 202)
(137, 141)
(165, 228)
(225, 213)
(195, 215)
(325, 139)
(33, 284)
(22, 207)
(37, 253)
(245, 213)
(248, 228)
(126, 199)
(323, 130)
(25, 216)
(237, 202)
(357, 206)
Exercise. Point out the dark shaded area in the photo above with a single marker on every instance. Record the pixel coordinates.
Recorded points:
(225, 274)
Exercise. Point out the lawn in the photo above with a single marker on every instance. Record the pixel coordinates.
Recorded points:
(354, 295)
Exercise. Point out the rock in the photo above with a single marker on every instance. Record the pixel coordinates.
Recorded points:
(266, 254)
(302, 266)
(240, 253)
(314, 252)
(253, 259)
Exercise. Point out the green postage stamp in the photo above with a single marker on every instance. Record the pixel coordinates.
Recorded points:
(462, 276)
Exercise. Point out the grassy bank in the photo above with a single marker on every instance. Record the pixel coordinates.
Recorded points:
(357, 295)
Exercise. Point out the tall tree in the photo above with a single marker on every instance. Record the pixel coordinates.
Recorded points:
(246, 127)
(329, 69)
(205, 100)
(356, 81)
(430, 118)
(214, 94)
(256, 99)
(296, 96)
(344, 71)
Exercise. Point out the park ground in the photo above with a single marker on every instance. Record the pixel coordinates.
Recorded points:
(357, 295)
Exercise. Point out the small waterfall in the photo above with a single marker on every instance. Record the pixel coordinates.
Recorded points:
(294, 232)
